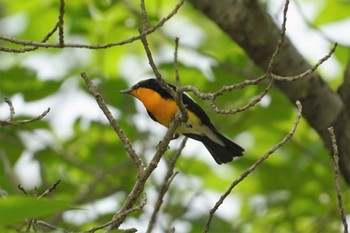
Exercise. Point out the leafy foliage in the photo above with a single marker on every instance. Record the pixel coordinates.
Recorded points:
(293, 191)
(15, 208)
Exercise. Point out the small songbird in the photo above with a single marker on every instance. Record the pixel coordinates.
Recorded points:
(161, 107)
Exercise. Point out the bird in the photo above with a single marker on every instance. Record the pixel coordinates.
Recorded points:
(161, 107)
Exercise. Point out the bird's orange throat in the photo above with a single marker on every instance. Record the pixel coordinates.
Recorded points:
(162, 109)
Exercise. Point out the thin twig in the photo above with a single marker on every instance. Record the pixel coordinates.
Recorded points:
(222, 90)
(10, 120)
(29, 224)
(32, 223)
(229, 88)
(50, 190)
(32, 48)
(23, 122)
(101, 103)
(61, 24)
(165, 185)
(138, 207)
(120, 216)
(280, 41)
(174, 94)
(49, 226)
(176, 63)
(212, 96)
(144, 173)
(125, 213)
(253, 167)
(336, 178)
(179, 93)
(20, 187)
(252, 103)
(94, 229)
(143, 176)
(257, 99)
(307, 72)
(12, 110)
(48, 36)
(87, 46)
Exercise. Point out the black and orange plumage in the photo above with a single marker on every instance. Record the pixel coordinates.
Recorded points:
(161, 107)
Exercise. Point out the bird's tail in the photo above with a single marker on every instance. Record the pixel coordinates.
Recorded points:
(221, 153)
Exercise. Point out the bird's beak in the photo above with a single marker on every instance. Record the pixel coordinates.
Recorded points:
(126, 91)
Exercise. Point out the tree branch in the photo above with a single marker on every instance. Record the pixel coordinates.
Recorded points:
(85, 46)
(12, 122)
(61, 24)
(101, 103)
(336, 178)
(176, 95)
(169, 176)
(253, 167)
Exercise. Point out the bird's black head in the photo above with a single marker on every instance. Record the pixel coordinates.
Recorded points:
(152, 84)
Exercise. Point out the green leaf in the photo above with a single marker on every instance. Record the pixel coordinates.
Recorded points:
(15, 208)
(22, 80)
(333, 11)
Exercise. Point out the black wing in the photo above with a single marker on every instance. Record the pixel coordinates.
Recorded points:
(196, 109)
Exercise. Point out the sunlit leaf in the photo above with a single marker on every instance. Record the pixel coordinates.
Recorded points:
(16, 208)
(333, 11)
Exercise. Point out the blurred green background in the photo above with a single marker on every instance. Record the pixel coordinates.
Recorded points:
(293, 191)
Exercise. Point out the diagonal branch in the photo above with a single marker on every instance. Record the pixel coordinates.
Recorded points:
(336, 178)
(101, 103)
(165, 186)
(253, 167)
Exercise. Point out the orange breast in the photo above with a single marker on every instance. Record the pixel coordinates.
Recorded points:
(162, 109)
